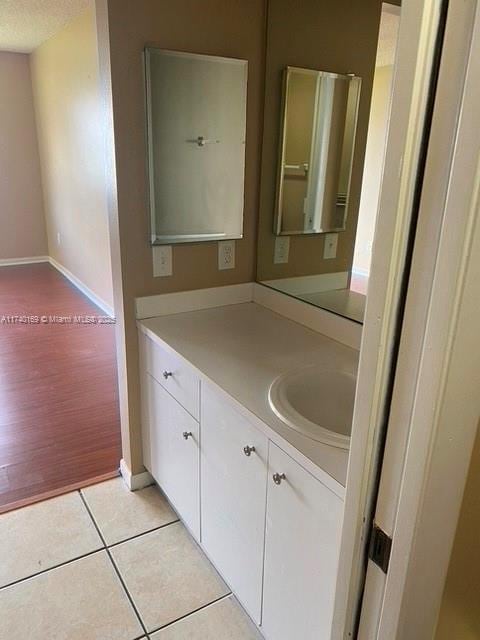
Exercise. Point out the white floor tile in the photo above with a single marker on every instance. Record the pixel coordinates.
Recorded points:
(44, 535)
(167, 575)
(121, 513)
(224, 620)
(82, 600)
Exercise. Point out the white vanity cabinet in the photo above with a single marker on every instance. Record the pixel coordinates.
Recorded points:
(171, 443)
(270, 526)
(302, 543)
(234, 483)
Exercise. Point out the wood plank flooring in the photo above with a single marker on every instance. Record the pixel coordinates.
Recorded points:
(59, 413)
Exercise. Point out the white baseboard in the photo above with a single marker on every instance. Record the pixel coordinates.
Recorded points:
(82, 287)
(135, 481)
(9, 262)
(169, 303)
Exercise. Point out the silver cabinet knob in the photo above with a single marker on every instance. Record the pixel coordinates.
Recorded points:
(248, 450)
(278, 477)
(167, 374)
(187, 435)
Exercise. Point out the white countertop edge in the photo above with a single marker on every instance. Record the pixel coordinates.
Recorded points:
(326, 479)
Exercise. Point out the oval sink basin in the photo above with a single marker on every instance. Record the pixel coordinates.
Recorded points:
(316, 402)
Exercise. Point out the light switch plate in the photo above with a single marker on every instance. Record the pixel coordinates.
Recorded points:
(282, 249)
(162, 261)
(330, 246)
(226, 254)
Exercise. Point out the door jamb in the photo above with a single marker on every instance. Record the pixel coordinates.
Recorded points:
(420, 21)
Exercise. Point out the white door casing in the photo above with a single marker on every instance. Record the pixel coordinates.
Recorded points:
(436, 405)
(417, 39)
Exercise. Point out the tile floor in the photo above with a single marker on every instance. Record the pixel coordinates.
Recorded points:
(107, 564)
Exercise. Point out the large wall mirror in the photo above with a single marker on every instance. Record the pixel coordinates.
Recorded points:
(196, 123)
(327, 99)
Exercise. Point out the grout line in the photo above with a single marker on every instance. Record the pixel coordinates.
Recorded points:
(83, 499)
(127, 593)
(205, 606)
(144, 533)
(56, 566)
(103, 547)
(145, 635)
(122, 582)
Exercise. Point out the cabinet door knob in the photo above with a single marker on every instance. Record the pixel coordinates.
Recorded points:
(278, 477)
(167, 374)
(248, 450)
(187, 435)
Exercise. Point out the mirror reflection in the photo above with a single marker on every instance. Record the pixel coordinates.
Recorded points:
(318, 133)
(327, 105)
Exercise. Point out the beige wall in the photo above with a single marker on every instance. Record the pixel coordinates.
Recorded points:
(235, 29)
(460, 612)
(372, 173)
(22, 226)
(72, 151)
(333, 35)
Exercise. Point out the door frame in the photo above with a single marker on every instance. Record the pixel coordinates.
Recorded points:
(435, 405)
(417, 49)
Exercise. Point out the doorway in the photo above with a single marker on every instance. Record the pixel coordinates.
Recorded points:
(59, 410)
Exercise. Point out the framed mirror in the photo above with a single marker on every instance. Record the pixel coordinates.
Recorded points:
(196, 127)
(317, 141)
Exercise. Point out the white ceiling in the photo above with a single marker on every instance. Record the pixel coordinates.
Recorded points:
(25, 24)
(387, 38)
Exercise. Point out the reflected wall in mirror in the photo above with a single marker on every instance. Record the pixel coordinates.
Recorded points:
(317, 141)
(196, 123)
(329, 270)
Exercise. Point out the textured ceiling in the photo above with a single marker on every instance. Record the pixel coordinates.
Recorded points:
(25, 24)
(387, 39)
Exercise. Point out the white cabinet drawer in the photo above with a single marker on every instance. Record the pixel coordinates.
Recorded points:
(174, 375)
(301, 552)
(233, 492)
(171, 437)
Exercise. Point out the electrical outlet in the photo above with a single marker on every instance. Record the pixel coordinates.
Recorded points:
(162, 261)
(226, 254)
(330, 246)
(282, 249)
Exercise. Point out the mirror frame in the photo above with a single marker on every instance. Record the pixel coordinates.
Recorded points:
(154, 238)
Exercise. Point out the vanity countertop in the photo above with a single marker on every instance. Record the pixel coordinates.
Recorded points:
(242, 348)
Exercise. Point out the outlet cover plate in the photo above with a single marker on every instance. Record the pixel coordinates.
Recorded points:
(330, 246)
(162, 261)
(282, 249)
(226, 254)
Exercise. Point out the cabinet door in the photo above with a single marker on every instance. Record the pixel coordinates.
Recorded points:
(301, 552)
(173, 441)
(233, 497)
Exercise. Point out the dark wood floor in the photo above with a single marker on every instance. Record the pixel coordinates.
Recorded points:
(59, 414)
